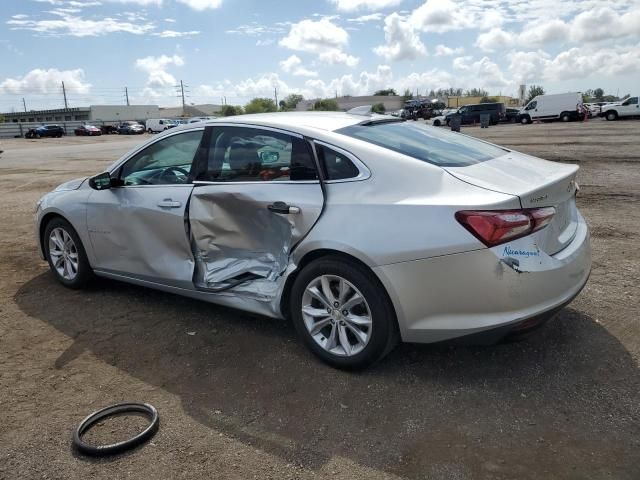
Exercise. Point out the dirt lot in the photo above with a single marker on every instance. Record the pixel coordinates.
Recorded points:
(242, 398)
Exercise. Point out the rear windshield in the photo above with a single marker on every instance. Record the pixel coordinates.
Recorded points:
(429, 144)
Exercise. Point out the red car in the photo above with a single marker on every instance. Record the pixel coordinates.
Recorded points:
(87, 130)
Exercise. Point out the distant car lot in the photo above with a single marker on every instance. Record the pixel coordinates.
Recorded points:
(232, 388)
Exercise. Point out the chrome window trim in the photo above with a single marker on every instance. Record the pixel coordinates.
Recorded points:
(148, 144)
(364, 172)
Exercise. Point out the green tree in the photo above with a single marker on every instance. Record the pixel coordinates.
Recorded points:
(389, 92)
(598, 93)
(260, 105)
(534, 91)
(486, 99)
(476, 92)
(407, 95)
(378, 108)
(229, 110)
(291, 101)
(328, 105)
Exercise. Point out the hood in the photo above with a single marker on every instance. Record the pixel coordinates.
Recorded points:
(71, 185)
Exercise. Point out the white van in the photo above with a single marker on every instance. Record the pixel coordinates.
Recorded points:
(626, 108)
(154, 125)
(561, 106)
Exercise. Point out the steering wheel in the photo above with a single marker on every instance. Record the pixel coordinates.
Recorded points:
(172, 170)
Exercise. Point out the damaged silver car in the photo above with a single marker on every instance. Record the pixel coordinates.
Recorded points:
(363, 229)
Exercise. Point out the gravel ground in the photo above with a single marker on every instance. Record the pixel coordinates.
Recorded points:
(240, 397)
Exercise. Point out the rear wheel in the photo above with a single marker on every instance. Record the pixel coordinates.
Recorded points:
(612, 115)
(436, 123)
(565, 116)
(65, 254)
(342, 313)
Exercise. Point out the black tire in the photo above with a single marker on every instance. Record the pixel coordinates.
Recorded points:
(37, 135)
(84, 273)
(565, 116)
(525, 120)
(384, 329)
(612, 115)
(436, 123)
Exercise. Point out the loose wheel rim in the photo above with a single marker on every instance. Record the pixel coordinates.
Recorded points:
(110, 411)
(336, 315)
(63, 253)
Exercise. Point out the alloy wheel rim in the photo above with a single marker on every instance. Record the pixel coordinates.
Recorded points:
(336, 315)
(63, 253)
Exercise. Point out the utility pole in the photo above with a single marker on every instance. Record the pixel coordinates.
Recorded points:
(64, 93)
(181, 93)
(24, 104)
(275, 94)
(126, 94)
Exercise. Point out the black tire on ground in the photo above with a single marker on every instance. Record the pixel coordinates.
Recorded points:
(613, 115)
(436, 123)
(85, 273)
(565, 116)
(37, 135)
(384, 331)
(525, 120)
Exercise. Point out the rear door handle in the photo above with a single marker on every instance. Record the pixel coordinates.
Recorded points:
(283, 208)
(168, 203)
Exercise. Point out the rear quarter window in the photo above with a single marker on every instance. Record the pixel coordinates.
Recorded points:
(428, 144)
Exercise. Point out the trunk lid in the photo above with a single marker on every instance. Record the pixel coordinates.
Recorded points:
(538, 183)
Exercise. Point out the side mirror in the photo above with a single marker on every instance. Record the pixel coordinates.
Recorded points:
(101, 181)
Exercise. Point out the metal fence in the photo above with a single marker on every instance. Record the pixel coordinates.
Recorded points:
(18, 129)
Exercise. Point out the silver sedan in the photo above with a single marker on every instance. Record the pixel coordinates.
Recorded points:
(363, 229)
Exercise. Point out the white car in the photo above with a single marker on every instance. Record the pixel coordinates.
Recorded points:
(626, 108)
(441, 119)
(363, 229)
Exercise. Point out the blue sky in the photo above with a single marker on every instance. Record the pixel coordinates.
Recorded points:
(240, 49)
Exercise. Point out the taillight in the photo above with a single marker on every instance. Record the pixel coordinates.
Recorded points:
(493, 227)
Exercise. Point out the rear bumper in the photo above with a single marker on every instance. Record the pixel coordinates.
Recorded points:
(463, 294)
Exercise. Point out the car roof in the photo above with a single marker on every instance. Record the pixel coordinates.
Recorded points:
(328, 121)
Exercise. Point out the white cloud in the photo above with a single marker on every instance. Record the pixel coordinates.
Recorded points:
(484, 72)
(372, 17)
(402, 41)
(156, 68)
(201, 5)
(526, 67)
(293, 65)
(76, 26)
(175, 34)
(440, 16)
(583, 62)
(321, 37)
(351, 5)
(46, 81)
(443, 50)
(495, 39)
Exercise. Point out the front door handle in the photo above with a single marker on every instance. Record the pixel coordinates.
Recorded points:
(168, 203)
(283, 208)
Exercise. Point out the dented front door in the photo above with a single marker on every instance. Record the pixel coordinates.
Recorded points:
(258, 196)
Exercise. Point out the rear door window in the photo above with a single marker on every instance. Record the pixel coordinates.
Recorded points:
(245, 154)
(429, 144)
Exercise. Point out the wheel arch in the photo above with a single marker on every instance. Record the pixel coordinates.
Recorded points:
(44, 221)
(316, 254)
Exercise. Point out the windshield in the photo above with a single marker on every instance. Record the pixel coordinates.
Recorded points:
(429, 144)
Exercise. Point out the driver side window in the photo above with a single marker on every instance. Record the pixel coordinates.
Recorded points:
(531, 106)
(166, 162)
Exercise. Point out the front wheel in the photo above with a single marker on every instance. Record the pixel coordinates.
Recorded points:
(436, 123)
(612, 115)
(65, 254)
(342, 313)
(525, 120)
(565, 117)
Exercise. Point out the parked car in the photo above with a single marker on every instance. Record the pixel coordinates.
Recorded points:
(109, 129)
(45, 131)
(88, 130)
(626, 108)
(511, 115)
(155, 125)
(462, 237)
(472, 113)
(560, 106)
(441, 119)
(130, 128)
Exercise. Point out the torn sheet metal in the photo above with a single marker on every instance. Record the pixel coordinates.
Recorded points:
(234, 235)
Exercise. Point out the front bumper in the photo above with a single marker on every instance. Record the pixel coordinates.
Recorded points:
(451, 296)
